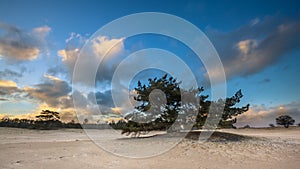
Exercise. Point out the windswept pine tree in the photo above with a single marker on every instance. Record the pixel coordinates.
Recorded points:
(229, 112)
(160, 105)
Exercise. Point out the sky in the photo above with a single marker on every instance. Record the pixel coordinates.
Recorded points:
(40, 41)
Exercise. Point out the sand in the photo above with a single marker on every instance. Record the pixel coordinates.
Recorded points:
(276, 148)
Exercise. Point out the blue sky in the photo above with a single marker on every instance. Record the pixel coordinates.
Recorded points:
(258, 43)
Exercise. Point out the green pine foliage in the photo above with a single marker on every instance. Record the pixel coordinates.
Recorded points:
(170, 109)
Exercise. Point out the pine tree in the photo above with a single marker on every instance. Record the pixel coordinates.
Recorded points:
(160, 105)
(285, 120)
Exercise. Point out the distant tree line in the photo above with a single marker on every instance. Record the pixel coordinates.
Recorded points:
(47, 120)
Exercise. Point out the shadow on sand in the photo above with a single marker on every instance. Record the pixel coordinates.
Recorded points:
(217, 136)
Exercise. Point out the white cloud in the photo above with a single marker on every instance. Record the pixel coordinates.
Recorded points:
(73, 36)
(103, 45)
(53, 78)
(99, 47)
(41, 31)
(246, 46)
(69, 57)
(254, 21)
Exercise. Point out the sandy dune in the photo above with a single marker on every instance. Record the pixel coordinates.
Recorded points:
(72, 148)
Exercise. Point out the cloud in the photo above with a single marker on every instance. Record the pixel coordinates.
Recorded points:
(8, 87)
(246, 46)
(18, 45)
(103, 45)
(41, 31)
(68, 116)
(18, 51)
(69, 57)
(80, 100)
(266, 80)
(53, 78)
(71, 52)
(10, 90)
(7, 83)
(103, 102)
(107, 105)
(255, 46)
(73, 36)
(57, 70)
(90, 56)
(102, 98)
(260, 115)
(52, 92)
(55, 94)
(100, 110)
(10, 73)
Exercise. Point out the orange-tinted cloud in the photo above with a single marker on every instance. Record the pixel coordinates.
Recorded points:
(7, 83)
(8, 87)
(18, 45)
(263, 116)
(52, 91)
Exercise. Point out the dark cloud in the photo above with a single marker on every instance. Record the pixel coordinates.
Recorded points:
(104, 99)
(286, 67)
(105, 73)
(52, 92)
(10, 73)
(66, 102)
(57, 70)
(19, 45)
(104, 102)
(266, 80)
(79, 99)
(7, 90)
(8, 87)
(256, 45)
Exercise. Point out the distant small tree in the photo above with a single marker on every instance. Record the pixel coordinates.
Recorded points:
(271, 125)
(47, 115)
(298, 124)
(285, 120)
(85, 121)
(48, 120)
